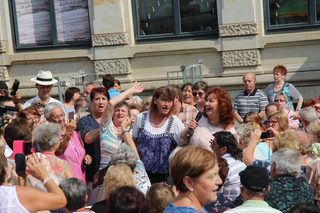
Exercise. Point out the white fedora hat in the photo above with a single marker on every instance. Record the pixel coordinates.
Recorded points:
(44, 78)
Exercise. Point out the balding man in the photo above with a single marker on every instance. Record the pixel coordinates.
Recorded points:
(250, 100)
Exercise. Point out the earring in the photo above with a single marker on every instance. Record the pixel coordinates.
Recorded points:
(191, 190)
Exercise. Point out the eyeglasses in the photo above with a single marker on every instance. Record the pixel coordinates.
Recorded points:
(279, 100)
(197, 93)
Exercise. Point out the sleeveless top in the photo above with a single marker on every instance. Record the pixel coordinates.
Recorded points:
(9, 201)
(154, 149)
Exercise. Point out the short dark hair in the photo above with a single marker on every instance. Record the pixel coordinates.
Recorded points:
(127, 199)
(18, 129)
(108, 81)
(69, 93)
(200, 85)
(227, 139)
(99, 90)
(76, 193)
(165, 92)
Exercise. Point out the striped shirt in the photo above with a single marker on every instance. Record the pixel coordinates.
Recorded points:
(254, 102)
(231, 187)
(187, 113)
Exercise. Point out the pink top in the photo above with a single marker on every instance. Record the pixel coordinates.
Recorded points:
(74, 155)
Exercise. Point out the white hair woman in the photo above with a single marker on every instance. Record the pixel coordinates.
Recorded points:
(71, 148)
(47, 138)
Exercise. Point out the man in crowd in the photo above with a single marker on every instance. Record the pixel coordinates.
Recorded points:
(255, 185)
(44, 82)
(249, 100)
(287, 187)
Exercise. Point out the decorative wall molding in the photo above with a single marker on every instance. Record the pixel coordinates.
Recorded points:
(112, 66)
(241, 58)
(4, 74)
(245, 29)
(2, 46)
(110, 39)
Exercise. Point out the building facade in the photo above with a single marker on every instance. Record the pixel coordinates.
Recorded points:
(142, 40)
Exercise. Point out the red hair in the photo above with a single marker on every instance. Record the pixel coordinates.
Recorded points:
(224, 104)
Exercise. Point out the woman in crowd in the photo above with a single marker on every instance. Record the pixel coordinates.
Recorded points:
(199, 90)
(157, 133)
(47, 138)
(281, 86)
(26, 199)
(278, 122)
(31, 115)
(225, 146)
(218, 116)
(187, 96)
(281, 101)
(194, 172)
(70, 96)
(71, 148)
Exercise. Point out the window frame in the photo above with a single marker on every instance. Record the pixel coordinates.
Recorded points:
(54, 42)
(177, 34)
(312, 19)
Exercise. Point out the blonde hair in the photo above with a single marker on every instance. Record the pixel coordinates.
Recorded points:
(314, 129)
(116, 177)
(288, 139)
(159, 196)
(282, 120)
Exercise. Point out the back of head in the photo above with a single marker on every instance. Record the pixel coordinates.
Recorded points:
(76, 193)
(18, 129)
(116, 177)
(127, 199)
(47, 135)
(190, 161)
(254, 178)
(288, 139)
(124, 155)
(308, 114)
(108, 81)
(68, 95)
(159, 196)
(286, 162)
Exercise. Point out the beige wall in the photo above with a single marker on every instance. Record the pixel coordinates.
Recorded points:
(243, 46)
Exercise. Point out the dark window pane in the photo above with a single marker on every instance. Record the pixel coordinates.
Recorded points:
(72, 20)
(155, 17)
(318, 9)
(197, 15)
(33, 20)
(288, 11)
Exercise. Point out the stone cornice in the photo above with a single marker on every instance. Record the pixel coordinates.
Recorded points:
(243, 29)
(112, 66)
(241, 58)
(110, 39)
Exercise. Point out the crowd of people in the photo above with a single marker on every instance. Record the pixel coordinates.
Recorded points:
(185, 149)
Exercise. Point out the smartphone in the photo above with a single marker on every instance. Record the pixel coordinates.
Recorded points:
(15, 87)
(17, 147)
(265, 135)
(27, 148)
(20, 161)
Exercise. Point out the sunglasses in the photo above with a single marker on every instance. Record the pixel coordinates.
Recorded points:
(197, 93)
(279, 100)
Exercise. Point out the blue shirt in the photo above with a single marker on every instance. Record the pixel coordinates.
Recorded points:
(176, 209)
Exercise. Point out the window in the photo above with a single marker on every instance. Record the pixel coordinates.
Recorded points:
(288, 14)
(174, 18)
(49, 23)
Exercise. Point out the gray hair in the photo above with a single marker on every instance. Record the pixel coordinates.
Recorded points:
(75, 191)
(47, 135)
(51, 106)
(308, 114)
(244, 131)
(286, 161)
(124, 155)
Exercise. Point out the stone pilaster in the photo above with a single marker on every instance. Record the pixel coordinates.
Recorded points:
(110, 39)
(112, 66)
(2, 46)
(241, 58)
(4, 75)
(240, 29)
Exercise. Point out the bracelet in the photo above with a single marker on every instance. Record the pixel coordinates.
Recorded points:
(46, 180)
(125, 131)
